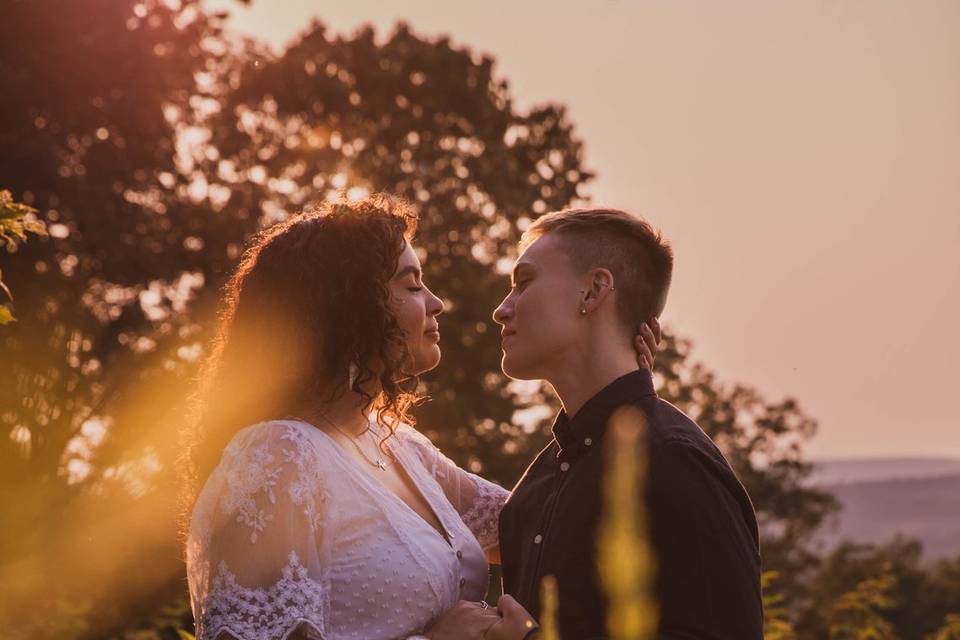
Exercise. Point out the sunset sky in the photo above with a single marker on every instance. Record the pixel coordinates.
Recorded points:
(803, 157)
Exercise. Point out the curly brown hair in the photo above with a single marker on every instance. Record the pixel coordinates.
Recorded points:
(308, 299)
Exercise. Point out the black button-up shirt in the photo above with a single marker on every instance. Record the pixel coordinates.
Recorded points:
(703, 528)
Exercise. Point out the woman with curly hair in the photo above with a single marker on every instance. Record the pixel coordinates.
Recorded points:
(316, 510)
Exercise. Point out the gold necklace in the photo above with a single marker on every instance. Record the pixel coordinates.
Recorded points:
(379, 463)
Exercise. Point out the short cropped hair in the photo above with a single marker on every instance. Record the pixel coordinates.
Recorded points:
(637, 255)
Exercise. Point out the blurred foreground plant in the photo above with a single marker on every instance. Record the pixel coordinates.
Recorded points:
(625, 560)
(549, 598)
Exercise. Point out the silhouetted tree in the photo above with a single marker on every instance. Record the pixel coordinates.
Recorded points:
(429, 122)
(153, 146)
(144, 140)
(86, 128)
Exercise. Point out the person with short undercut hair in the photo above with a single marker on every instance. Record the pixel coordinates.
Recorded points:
(634, 252)
(584, 280)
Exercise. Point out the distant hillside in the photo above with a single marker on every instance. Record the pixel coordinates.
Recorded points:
(844, 471)
(874, 511)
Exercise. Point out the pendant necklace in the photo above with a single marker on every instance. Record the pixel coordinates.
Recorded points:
(379, 462)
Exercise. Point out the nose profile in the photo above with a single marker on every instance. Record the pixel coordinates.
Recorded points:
(502, 313)
(436, 306)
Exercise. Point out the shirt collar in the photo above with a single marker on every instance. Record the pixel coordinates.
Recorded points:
(589, 423)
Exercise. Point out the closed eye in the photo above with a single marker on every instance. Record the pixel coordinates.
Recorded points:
(416, 284)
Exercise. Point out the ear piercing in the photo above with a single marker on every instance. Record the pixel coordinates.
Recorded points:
(583, 310)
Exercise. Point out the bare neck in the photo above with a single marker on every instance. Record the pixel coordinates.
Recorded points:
(344, 415)
(587, 371)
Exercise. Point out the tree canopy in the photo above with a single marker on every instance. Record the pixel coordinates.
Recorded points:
(152, 145)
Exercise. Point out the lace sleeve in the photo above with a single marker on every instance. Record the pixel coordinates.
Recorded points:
(255, 554)
(478, 501)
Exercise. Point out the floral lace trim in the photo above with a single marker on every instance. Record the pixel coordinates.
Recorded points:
(255, 471)
(294, 601)
(483, 516)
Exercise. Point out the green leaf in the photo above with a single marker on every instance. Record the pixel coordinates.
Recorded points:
(15, 210)
(14, 227)
(35, 226)
(10, 209)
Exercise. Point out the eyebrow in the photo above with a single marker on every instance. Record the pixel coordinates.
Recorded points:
(408, 270)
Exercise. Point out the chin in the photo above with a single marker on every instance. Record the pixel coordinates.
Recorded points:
(429, 360)
(516, 370)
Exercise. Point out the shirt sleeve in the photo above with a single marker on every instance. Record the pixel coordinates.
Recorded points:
(478, 501)
(255, 553)
(708, 564)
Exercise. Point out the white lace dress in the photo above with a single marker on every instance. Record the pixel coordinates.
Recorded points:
(289, 532)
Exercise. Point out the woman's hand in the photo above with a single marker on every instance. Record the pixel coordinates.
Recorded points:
(515, 624)
(645, 343)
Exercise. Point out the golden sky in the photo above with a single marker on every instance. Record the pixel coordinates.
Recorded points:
(803, 157)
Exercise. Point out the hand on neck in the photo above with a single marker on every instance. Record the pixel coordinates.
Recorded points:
(592, 365)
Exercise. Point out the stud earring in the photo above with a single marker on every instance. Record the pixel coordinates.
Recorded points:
(583, 311)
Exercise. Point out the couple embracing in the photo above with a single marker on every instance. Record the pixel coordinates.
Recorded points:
(318, 512)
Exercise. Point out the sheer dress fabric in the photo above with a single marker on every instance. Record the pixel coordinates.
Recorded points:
(289, 533)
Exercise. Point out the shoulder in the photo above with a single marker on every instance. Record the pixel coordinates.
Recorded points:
(267, 468)
(675, 432)
(408, 436)
(682, 468)
(682, 489)
(668, 423)
(273, 443)
(419, 446)
(676, 453)
(685, 476)
(688, 457)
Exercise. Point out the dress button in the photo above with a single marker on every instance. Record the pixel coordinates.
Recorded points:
(588, 441)
(463, 581)
(564, 466)
(537, 539)
(459, 555)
